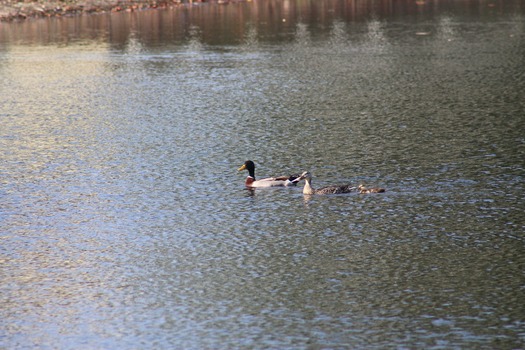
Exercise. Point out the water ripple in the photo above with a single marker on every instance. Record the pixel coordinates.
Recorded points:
(125, 221)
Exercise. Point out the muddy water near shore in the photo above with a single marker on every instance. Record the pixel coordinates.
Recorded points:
(125, 224)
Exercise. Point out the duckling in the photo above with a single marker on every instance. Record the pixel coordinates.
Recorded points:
(334, 189)
(251, 182)
(362, 189)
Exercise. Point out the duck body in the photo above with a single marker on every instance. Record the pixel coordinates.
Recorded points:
(363, 190)
(251, 182)
(333, 189)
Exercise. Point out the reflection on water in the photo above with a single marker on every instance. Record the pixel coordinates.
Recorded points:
(271, 20)
(125, 222)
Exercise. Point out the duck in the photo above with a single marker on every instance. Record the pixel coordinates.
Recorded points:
(251, 182)
(333, 189)
(362, 189)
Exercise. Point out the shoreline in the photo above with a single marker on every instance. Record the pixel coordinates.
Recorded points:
(15, 11)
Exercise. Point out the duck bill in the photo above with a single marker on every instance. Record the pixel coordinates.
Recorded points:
(243, 167)
(302, 177)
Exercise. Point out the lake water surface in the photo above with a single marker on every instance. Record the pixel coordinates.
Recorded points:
(125, 224)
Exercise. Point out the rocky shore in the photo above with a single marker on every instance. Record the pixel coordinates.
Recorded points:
(12, 10)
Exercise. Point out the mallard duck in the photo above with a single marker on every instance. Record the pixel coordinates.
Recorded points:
(334, 189)
(362, 189)
(268, 182)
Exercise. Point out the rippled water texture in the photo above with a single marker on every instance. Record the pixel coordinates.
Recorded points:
(125, 224)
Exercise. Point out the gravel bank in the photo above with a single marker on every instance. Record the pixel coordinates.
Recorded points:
(21, 10)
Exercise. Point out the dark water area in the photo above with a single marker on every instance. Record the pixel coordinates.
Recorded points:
(125, 224)
(270, 21)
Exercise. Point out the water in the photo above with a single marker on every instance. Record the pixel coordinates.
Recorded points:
(125, 224)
